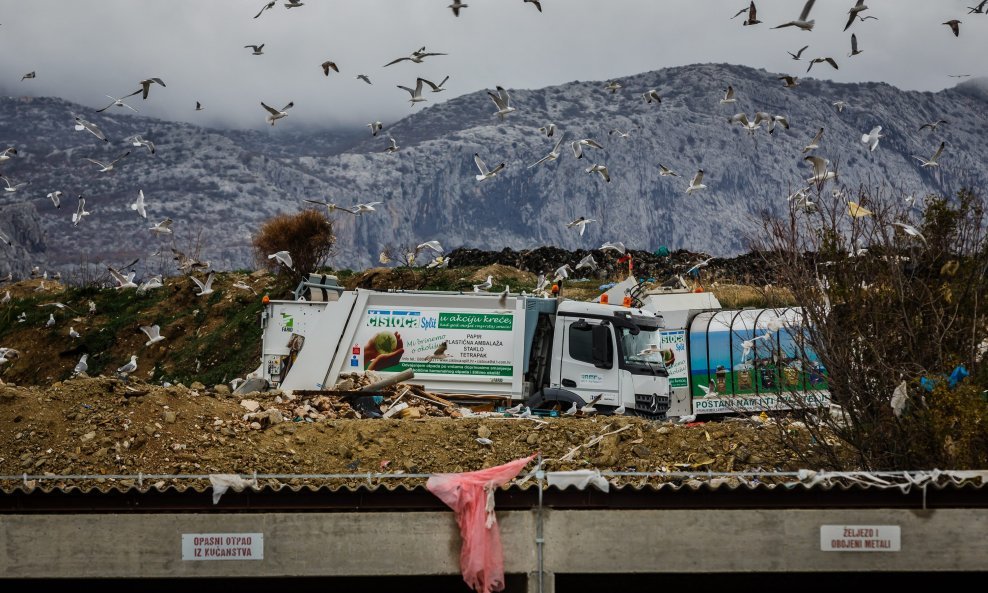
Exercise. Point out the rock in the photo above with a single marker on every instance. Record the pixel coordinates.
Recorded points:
(345, 385)
(197, 386)
(250, 405)
(221, 389)
(170, 417)
(484, 432)
(641, 451)
(532, 439)
(88, 436)
(664, 430)
(255, 425)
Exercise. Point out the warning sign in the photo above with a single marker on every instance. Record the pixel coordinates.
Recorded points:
(222, 546)
(860, 538)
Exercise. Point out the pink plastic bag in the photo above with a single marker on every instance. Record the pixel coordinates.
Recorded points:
(471, 496)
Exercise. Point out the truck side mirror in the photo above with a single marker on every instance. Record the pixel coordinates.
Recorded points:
(601, 349)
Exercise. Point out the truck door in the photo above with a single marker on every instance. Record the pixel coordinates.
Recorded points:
(587, 364)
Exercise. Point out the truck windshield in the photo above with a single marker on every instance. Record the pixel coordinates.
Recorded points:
(641, 351)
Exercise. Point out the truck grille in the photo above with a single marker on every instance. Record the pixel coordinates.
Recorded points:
(651, 405)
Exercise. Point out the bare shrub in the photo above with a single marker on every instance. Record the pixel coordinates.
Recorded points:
(307, 236)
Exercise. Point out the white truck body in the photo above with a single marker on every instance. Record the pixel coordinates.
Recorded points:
(545, 352)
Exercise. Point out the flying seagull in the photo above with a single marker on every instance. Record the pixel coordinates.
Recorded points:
(553, 154)
(872, 137)
(375, 127)
(587, 262)
(802, 22)
(6, 152)
(417, 56)
(199, 106)
(204, 288)
(581, 223)
(858, 8)
(81, 124)
(162, 228)
(104, 167)
(934, 125)
(613, 86)
(601, 169)
(790, 81)
(138, 206)
(12, 187)
(548, 129)
(56, 198)
(932, 162)
(360, 209)
(438, 354)
(537, 3)
(910, 230)
(666, 171)
(80, 212)
(416, 93)
(117, 102)
(456, 7)
(820, 172)
(153, 332)
(652, 96)
(696, 184)
(615, 245)
(436, 88)
(815, 143)
(256, 50)
(330, 206)
(577, 146)
(796, 55)
(502, 101)
(485, 173)
(955, 26)
(327, 66)
(267, 6)
(392, 146)
(854, 46)
(275, 114)
(822, 60)
(30, 74)
(364, 78)
(752, 15)
(122, 281)
(979, 9)
(293, 4)
(146, 87)
(137, 140)
(728, 96)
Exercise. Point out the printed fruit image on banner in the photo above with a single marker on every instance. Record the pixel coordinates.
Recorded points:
(383, 350)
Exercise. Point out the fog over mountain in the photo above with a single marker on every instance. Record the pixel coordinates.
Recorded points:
(220, 185)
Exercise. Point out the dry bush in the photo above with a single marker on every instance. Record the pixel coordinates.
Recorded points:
(307, 236)
(881, 307)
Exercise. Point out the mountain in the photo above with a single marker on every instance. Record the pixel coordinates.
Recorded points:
(220, 185)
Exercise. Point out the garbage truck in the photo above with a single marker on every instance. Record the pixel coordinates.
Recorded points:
(544, 352)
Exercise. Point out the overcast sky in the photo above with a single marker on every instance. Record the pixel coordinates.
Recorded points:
(83, 50)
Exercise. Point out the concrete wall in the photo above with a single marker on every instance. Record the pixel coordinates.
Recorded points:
(427, 543)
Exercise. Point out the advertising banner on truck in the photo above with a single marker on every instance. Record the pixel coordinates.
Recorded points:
(434, 341)
(673, 349)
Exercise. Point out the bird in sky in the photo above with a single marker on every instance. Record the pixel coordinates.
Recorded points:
(839, 106)
(752, 15)
(536, 3)
(820, 172)
(599, 169)
(856, 10)
(553, 154)
(256, 50)
(267, 6)
(581, 223)
(81, 124)
(619, 133)
(789, 81)
(815, 142)
(440, 261)
(613, 86)
(696, 184)
(331, 206)
(955, 26)
(293, 4)
(933, 161)
(146, 87)
(742, 119)
(205, 287)
(652, 96)
(276, 114)
(854, 46)
(857, 210)
(577, 146)
(799, 53)
(696, 267)
(199, 106)
(416, 93)
(162, 228)
(485, 285)
(150, 284)
(117, 102)
(80, 212)
(979, 9)
(548, 129)
(153, 333)
(104, 167)
(29, 75)
(666, 171)
(456, 7)
(615, 245)
(562, 272)
(432, 245)
(138, 206)
(12, 187)
(436, 88)
(485, 173)
(803, 21)
(362, 208)
(830, 61)
(728, 96)
(502, 101)
(5, 154)
(417, 57)
(364, 78)
(392, 146)
(936, 124)
(910, 230)
(282, 257)
(327, 66)
(872, 138)
(121, 280)
(587, 262)
(56, 198)
(137, 140)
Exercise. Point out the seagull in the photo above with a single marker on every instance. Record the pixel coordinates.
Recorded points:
(859, 7)
(613, 86)
(139, 205)
(12, 187)
(440, 261)
(104, 167)
(666, 171)
(562, 272)
(854, 46)
(5, 154)
(815, 142)
(587, 262)
(601, 169)
(752, 18)
(80, 212)
(327, 66)
(162, 228)
(206, 288)
(742, 118)
(537, 3)
(484, 285)
(910, 230)
(30, 74)
(696, 184)
(130, 367)
(548, 130)
(821, 60)
(502, 101)
(872, 137)
(267, 6)
(433, 245)
(456, 7)
(802, 22)
(392, 147)
(932, 162)
(364, 78)
(571, 411)
(282, 257)
(698, 265)
(839, 106)
(578, 145)
(580, 222)
(934, 125)
(553, 154)
(81, 124)
(621, 410)
(615, 245)
(244, 286)
(122, 281)
(81, 366)
(417, 57)
(275, 114)
(199, 106)
(117, 102)
(485, 173)
(856, 210)
(146, 87)
(619, 133)
(820, 172)
(728, 96)
(979, 9)
(790, 81)
(416, 93)
(150, 284)
(436, 88)
(359, 209)
(955, 26)
(51, 320)
(652, 96)
(153, 332)
(137, 140)
(796, 55)
(330, 206)
(293, 4)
